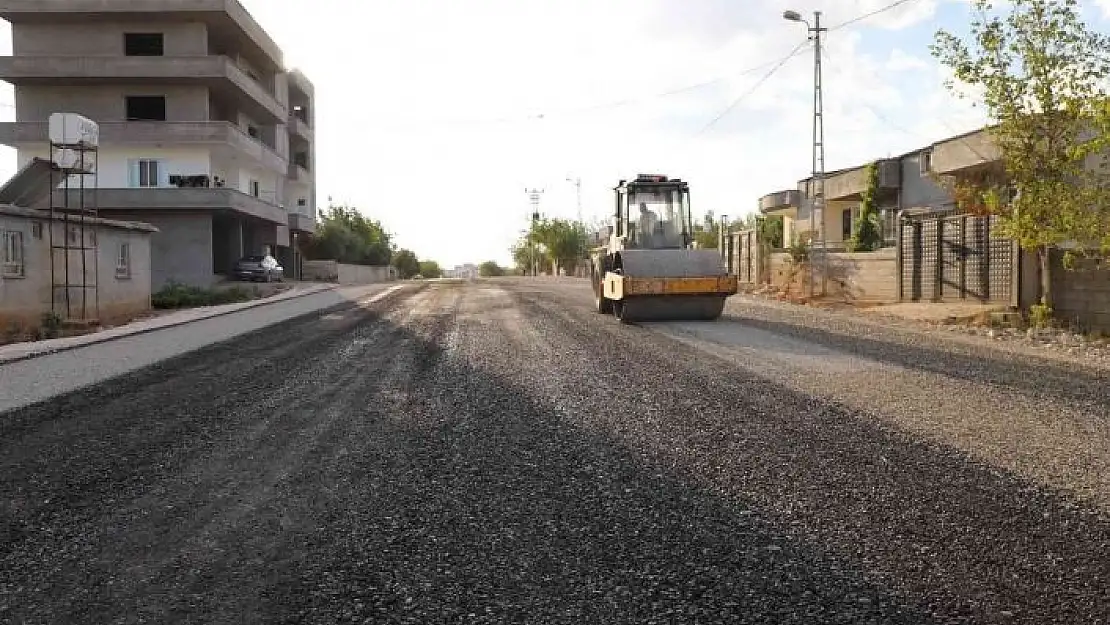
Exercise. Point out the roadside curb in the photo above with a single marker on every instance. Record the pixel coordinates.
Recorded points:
(260, 303)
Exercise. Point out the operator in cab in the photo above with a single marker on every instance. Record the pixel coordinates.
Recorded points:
(648, 221)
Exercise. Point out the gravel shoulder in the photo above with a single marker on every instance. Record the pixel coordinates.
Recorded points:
(1029, 415)
(487, 453)
(42, 377)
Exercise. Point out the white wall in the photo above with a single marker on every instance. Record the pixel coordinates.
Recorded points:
(238, 175)
(114, 163)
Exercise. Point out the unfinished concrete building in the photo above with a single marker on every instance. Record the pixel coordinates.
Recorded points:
(203, 131)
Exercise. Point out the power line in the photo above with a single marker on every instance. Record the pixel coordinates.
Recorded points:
(613, 104)
(757, 85)
(867, 105)
(891, 6)
(888, 122)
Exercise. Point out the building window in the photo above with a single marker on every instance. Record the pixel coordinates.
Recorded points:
(144, 44)
(146, 173)
(36, 230)
(926, 162)
(846, 224)
(254, 188)
(146, 108)
(123, 261)
(13, 254)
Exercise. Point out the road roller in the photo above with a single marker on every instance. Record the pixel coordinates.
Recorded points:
(651, 270)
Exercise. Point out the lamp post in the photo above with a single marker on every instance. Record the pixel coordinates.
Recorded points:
(818, 181)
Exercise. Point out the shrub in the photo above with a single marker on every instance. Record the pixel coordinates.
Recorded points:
(175, 295)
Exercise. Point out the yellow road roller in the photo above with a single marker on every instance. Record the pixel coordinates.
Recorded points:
(651, 270)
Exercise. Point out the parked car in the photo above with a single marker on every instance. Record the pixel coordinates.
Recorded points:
(259, 268)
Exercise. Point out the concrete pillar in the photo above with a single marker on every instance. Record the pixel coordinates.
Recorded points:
(237, 239)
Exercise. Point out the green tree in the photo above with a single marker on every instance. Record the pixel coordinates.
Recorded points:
(430, 269)
(1041, 72)
(490, 269)
(558, 244)
(772, 231)
(867, 235)
(345, 235)
(707, 233)
(406, 263)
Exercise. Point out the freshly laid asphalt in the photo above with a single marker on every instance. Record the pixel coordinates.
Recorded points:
(495, 452)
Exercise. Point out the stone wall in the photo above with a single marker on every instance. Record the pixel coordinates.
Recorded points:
(332, 271)
(864, 277)
(1082, 295)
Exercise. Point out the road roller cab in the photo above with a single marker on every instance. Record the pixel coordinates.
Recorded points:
(650, 269)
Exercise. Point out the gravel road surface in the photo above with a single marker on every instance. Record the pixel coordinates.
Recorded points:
(494, 452)
(25, 382)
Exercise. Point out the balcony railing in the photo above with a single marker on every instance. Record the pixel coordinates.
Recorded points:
(14, 134)
(212, 69)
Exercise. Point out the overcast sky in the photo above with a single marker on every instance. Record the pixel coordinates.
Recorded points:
(428, 110)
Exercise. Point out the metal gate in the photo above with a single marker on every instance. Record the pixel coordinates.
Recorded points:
(954, 258)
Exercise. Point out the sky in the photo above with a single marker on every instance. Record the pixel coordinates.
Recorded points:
(435, 116)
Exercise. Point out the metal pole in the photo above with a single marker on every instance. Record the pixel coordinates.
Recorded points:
(534, 198)
(578, 194)
(818, 154)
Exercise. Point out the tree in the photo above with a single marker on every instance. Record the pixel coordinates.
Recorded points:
(430, 269)
(707, 234)
(557, 244)
(490, 269)
(345, 235)
(406, 263)
(1041, 73)
(868, 235)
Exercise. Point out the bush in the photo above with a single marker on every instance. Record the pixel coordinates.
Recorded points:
(181, 296)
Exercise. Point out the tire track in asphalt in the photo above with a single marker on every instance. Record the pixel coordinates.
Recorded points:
(486, 505)
(969, 540)
(120, 510)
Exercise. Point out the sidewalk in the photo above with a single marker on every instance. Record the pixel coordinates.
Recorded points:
(22, 351)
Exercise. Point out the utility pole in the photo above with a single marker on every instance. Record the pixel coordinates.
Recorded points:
(578, 194)
(816, 227)
(534, 199)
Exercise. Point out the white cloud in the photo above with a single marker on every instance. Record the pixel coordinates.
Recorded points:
(418, 78)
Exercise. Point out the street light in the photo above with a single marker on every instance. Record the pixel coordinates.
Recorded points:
(814, 32)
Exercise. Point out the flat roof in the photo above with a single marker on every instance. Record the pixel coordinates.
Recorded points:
(32, 213)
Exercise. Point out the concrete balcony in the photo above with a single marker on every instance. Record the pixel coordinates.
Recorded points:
(299, 82)
(965, 152)
(301, 223)
(780, 201)
(219, 73)
(299, 128)
(299, 174)
(218, 134)
(175, 199)
(851, 183)
(226, 19)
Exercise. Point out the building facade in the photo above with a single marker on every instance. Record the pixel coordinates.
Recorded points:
(203, 131)
(112, 282)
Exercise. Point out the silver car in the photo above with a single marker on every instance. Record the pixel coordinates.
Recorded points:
(259, 268)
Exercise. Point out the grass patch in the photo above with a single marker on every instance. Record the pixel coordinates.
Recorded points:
(174, 296)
